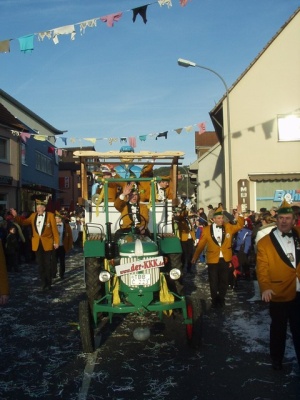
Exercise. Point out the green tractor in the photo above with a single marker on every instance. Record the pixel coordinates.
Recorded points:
(133, 273)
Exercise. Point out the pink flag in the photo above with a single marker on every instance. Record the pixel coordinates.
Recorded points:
(25, 136)
(183, 3)
(132, 141)
(202, 127)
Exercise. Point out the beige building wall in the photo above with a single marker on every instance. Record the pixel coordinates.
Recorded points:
(270, 87)
(210, 178)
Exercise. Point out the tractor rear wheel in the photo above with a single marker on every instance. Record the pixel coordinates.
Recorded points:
(86, 327)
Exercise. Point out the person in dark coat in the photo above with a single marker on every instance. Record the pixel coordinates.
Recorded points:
(12, 249)
(202, 217)
(65, 244)
(4, 283)
(242, 247)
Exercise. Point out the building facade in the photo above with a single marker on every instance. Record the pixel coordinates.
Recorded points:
(70, 178)
(28, 157)
(257, 160)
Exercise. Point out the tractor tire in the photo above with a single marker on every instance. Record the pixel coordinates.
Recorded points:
(86, 326)
(194, 331)
(93, 285)
(175, 262)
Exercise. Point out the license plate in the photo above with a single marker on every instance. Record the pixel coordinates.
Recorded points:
(140, 280)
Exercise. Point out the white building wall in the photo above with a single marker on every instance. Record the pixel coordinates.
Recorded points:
(210, 178)
(269, 88)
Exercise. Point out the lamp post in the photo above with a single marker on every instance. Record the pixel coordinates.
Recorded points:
(186, 63)
(186, 175)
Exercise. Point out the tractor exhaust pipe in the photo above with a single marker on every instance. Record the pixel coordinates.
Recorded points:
(110, 248)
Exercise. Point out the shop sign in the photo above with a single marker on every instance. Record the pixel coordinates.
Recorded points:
(243, 194)
(293, 195)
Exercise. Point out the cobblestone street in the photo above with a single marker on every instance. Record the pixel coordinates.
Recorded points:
(41, 346)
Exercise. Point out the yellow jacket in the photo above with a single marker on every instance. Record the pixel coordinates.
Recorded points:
(274, 270)
(184, 228)
(213, 249)
(67, 237)
(49, 234)
(145, 187)
(122, 207)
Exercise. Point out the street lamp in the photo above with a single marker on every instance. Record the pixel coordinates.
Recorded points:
(186, 63)
(186, 175)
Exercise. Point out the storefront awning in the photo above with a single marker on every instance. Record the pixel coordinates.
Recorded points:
(265, 177)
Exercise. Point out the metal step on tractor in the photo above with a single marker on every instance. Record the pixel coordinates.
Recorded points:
(132, 272)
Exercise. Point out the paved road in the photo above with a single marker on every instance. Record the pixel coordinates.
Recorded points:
(41, 356)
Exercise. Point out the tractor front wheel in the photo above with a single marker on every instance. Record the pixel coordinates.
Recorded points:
(194, 330)
(86, 326)
(93, 285)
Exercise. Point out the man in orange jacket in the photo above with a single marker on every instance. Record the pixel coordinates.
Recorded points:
(218, 239)
(278, 274)
(133, 214)
(45, 238)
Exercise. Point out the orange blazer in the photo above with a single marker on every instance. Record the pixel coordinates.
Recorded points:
(112, 191)
(49, 236)
(121, 206)
(67, 237)
(274, 270)
(145, 188)
(184, 228)
(213, 249)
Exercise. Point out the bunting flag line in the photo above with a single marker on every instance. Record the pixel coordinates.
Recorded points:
(132, 140)
(26, 42)
(267, 128)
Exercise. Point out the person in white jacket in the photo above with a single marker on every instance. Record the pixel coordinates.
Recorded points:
(268, 223)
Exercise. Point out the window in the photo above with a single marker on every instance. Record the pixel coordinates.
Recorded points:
(44, 163)
(3, 203)
(67, 182)
(4, 149)
(288, 127)
(23, 153)
(64, 182)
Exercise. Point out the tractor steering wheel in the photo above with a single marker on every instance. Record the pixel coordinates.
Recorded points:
(142, 225)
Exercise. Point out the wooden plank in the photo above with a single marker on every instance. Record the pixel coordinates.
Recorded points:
(127, 155)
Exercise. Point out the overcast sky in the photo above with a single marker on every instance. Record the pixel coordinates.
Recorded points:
(124, 81)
